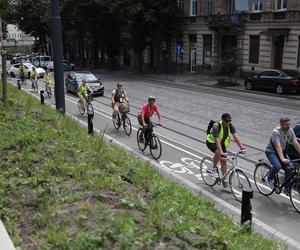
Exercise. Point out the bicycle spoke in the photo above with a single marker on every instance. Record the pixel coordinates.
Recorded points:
(141, 143)
(237, 182)
(155, 147)
(206, 167)
(295, 195)
(127, 125)
(260, 179)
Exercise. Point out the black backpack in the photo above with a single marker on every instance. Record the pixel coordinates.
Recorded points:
(210, 125)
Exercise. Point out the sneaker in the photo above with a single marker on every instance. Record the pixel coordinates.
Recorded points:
(214, 172)
(270, 184)
(225, 184)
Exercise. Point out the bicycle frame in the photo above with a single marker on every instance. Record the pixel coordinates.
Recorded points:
(233, 162)
(279, 187)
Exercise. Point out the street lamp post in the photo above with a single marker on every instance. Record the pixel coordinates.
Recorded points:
(58, 57)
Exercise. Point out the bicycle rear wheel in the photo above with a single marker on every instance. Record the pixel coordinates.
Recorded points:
(90, 109)
(237, 182)
(49, 92)
(127, 125)
(206, 167)
(141, 143)
(295, 194)
(155, 147)
(117, 122)
(260, 179)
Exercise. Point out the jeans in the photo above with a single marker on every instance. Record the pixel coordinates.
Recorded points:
(276, 166)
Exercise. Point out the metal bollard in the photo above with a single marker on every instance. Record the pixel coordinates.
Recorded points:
(42, 96)
(19, 84)
(90, 123)
(246, 215)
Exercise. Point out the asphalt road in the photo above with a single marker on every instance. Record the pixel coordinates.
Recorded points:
(186, 111)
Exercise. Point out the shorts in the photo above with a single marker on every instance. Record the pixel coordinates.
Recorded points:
(147, 120)
(213, 147)
(82, 95)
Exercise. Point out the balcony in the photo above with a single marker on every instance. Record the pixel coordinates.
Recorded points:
(276, 17)
(226, 21)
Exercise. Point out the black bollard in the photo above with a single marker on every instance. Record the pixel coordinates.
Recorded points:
(19, 84)
(42, 96)
(90, 123)
(246, 215)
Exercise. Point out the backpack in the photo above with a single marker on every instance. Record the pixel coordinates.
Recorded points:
(210, 125)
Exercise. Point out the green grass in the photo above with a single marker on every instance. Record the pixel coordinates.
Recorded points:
(61, 189)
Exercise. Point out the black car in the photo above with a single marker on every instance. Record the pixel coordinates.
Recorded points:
(282, 81)
(75, 78)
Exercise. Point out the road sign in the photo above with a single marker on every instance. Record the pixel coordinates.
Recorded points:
(179, 49)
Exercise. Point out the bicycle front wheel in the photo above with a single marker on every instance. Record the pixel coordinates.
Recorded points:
(206, 167)
(295, 194)
(117, 122)
(155, 147)
(237, 182)
(261, 173)
(127, 125)
(141, 140)
(90, 109)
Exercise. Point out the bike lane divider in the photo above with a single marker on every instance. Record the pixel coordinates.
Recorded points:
(180, 164)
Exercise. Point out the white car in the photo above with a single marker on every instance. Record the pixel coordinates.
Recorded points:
(15, 72)
(41, 61)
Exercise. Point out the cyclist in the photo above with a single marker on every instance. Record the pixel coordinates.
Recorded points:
(276, 151)
(218, 139)
(118, 97)
(291, 150)
(82, 92)
(33, 76)
(146, 113)
(48, 80)
(22, 70)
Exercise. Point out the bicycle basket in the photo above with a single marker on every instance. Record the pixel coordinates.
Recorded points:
(124, 107)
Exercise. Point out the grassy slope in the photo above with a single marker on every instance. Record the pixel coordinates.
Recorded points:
(60, 189)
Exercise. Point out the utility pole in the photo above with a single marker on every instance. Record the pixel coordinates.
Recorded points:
(3, 75)
(58, 57)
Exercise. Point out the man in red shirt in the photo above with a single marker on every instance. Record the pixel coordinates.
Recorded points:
(146, 112)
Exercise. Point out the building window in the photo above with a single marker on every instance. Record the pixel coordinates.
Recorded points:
(281, 4)
(257, 5)
(298, 59)
(193, 8)
(208, 7)
(254, 49)
(180, 4)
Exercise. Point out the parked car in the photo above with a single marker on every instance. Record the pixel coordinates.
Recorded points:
(280, 81)
(68, 66)
(41, 61)
(15, 72)
(73, 80)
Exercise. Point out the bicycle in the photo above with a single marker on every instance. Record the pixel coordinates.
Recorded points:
(89, 108)
(262, 169)
(122, 118)
(49, 91)
(237, 179)
(149, 138)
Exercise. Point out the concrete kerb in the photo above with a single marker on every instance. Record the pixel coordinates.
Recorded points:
(259, 226)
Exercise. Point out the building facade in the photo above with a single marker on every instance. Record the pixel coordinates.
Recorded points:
(264, 33)
(16, 37)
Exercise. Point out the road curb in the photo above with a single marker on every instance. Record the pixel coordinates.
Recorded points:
(5, 241)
